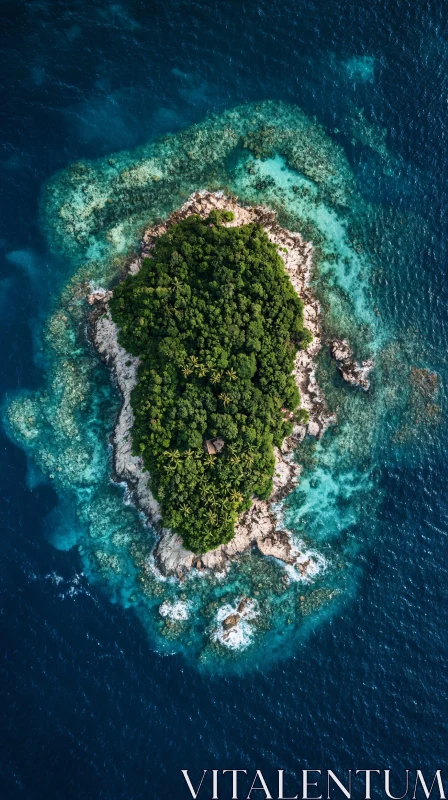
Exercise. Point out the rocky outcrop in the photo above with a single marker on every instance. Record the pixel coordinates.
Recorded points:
(234, 627)
(230, 621)
(261, 525)
(352, 372)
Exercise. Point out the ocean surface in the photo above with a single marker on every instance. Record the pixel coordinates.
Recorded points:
(100, 698)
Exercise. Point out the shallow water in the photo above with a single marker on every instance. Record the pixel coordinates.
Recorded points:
(354, 672)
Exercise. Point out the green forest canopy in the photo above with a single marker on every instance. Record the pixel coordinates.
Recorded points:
(216, 323)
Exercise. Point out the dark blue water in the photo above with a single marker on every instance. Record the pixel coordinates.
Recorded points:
(88, 708)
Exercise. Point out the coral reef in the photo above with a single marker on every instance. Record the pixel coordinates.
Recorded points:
(95, 209)
(94, 215)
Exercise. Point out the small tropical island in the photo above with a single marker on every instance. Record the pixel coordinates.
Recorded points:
(216, 324)
(196, 477)
(212, 336)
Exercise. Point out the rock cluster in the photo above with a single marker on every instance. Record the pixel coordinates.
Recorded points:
(352, 372)
(233, 628)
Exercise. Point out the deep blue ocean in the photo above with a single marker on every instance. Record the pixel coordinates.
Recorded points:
(90, 708)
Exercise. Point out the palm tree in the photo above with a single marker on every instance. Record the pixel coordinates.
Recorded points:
(185, 509)
(216, 376)
(236, 497)
(202, 370)
(235, 459)
(194, 360)
(225, 398)
(189, 454)
(231, 374)
(186, 371)
(211, 516)
(212, 501)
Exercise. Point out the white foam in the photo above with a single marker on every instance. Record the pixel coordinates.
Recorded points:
(54, 578)
(177, 610)
(314, 564)
(241, 635)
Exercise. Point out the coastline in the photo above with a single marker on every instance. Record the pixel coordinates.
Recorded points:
(262, 525)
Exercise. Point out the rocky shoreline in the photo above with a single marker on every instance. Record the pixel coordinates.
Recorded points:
(262, 525)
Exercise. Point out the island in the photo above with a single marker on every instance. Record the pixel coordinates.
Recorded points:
(212, 337)
(290, 556)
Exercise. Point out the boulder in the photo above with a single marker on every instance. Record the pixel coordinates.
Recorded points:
(230, 621)
(278, 545)
(242, 604)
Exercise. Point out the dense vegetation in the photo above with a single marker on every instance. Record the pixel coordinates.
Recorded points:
(216, 323)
